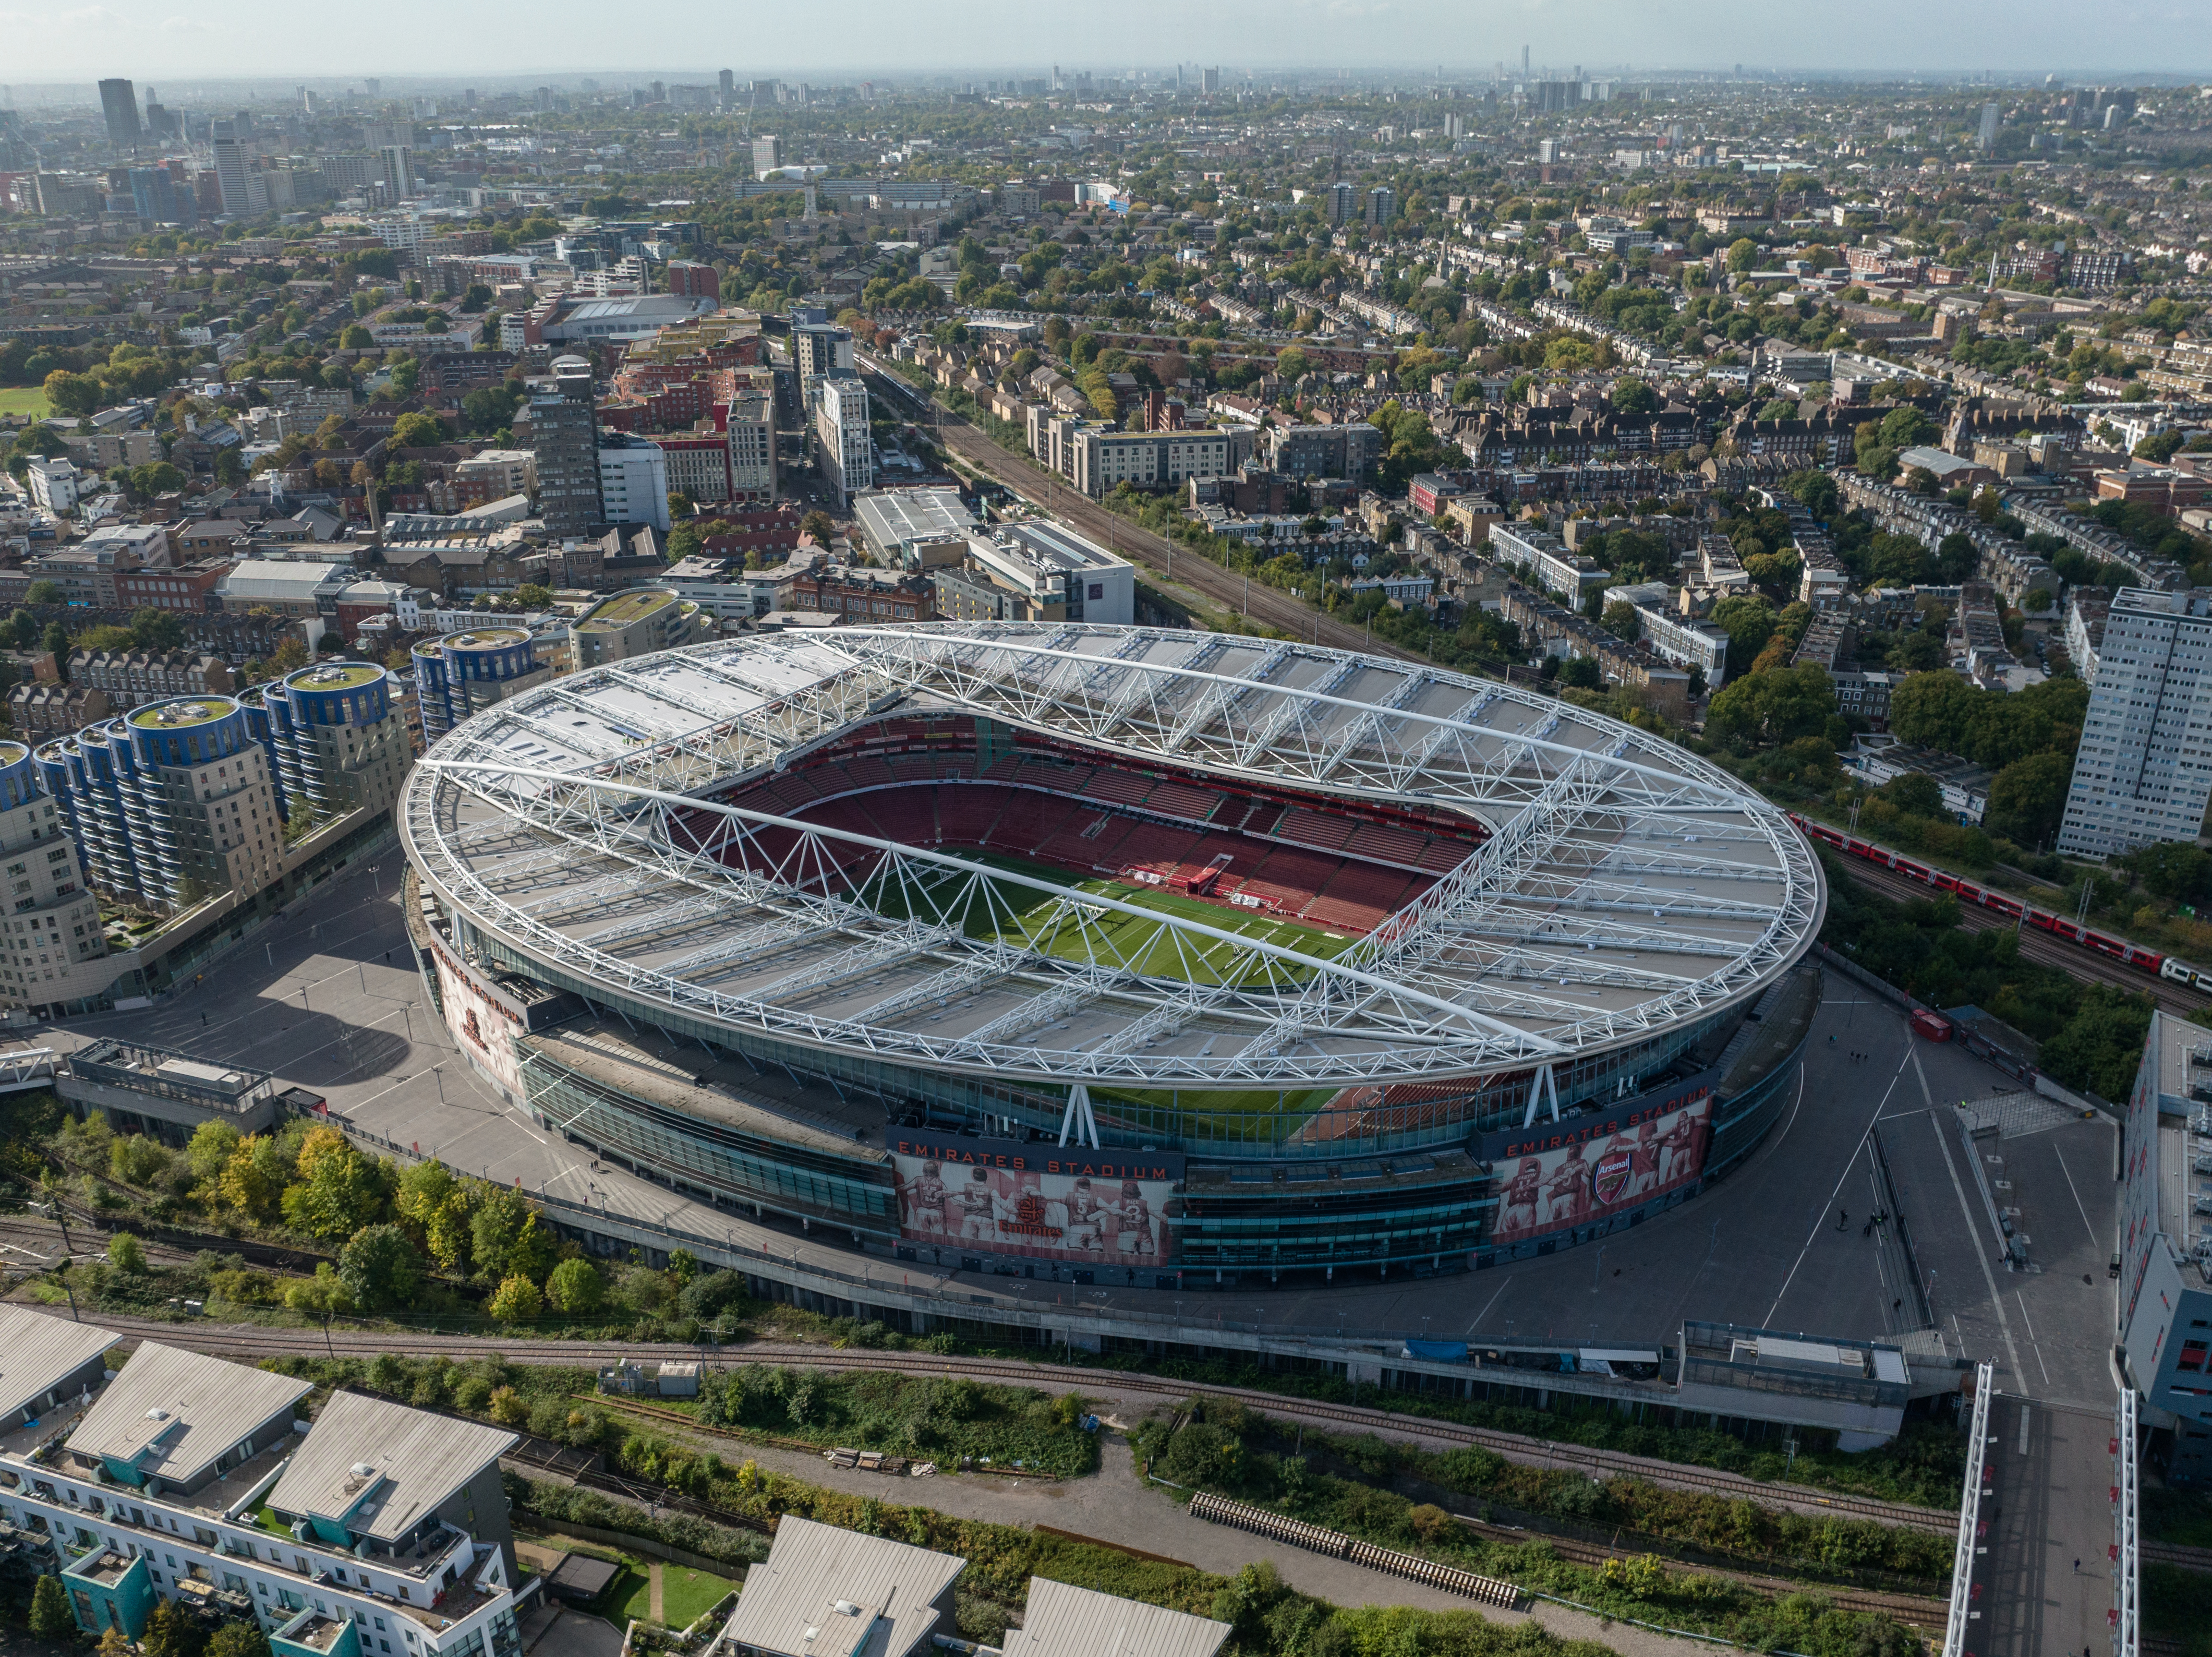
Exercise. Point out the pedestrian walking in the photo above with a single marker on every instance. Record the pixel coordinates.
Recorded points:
(1842, 1221)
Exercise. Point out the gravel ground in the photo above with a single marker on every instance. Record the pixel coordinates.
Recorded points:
(1115, 1506)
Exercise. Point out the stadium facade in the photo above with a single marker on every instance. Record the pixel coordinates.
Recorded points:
(1113, 955)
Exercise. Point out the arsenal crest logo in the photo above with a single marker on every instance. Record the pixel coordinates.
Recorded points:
(1609, 1179)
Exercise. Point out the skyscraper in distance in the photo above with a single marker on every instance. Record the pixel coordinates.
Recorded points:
(119, 101)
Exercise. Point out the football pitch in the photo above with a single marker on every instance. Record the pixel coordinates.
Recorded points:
(1018, 914)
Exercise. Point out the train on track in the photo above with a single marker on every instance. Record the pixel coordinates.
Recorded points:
(2119, 949)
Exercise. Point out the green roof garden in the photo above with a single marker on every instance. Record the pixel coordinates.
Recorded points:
(482, 638)
(336, 676)
(180, 715)
(623, 608)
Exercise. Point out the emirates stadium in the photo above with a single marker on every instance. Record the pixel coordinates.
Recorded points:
(1111, 955)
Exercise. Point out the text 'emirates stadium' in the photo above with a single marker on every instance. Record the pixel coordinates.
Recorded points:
(1114, 954)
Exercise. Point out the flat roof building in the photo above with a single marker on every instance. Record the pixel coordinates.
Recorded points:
(1062, 1620)
(49, 1359)
(378, 1529)
(1043, 571)
(636, 624)
(1571, 576)
(893, 520)
(826, 1592)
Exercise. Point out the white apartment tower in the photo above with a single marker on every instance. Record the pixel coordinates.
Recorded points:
(840, 432)
(2143, 772)
(751, 438)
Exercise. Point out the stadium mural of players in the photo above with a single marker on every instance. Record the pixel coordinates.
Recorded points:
(1580, 1184)
(1060, 1211)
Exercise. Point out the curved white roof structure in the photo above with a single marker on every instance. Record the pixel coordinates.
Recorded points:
(1622, 885)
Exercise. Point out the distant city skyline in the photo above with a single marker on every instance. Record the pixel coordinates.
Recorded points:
(239, 40)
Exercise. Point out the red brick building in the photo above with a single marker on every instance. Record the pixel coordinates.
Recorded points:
(694, 280)
(184, 588)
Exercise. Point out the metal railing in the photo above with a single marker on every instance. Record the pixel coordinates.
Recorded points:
(1453, 1579)
(1964, 1590)
(2127, 1552)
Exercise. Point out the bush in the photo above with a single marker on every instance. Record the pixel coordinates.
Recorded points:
(508, 1408)
(516, 1300)
(574, 1286)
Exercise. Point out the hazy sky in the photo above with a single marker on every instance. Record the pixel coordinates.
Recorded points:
(156, 40)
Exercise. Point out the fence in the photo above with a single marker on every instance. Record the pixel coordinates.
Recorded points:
(1900, 1230)
(1487, 1590)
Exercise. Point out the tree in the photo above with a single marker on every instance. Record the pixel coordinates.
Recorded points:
(239, 1639)
(252, 1180)
(1916, 793)
(507, 1237)
(817, 527)
(51, 1616)
(1779, 706)
(1581, 673)
(418, 430)
(516, 1302)
(2027, 798)
(506, 1406)
(379, 1267)
(156, 630)
(211, 1146)
(356, 338)
(75, 394)
(1742, 255)
(138, 1161)
(338, 1191)
(172, 1631)
(573, 1287)
(533, 596)
(1629, 397)
(1292, 364)
(1956, 555)
(2173, 870)
(1619, 618)
(437, 1206)
(126, 1253)
(323, 1295)
(1748, 619)
(56, 640)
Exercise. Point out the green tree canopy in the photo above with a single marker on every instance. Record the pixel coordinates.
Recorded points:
(1780, 705)
(2027, 798)
(379, 1267)
(574, 1287)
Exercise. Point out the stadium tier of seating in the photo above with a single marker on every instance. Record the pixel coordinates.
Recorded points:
(1333, 871)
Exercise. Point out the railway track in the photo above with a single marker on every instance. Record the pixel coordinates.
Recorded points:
(1262, 603)
(253, 1343)
(2034, 944)
(1916, 1609)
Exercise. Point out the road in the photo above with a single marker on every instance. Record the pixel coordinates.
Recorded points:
(1232, 592)
(2049, 1574)
(2035, 945)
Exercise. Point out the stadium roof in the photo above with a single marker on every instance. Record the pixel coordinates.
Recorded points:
(1623, 885)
